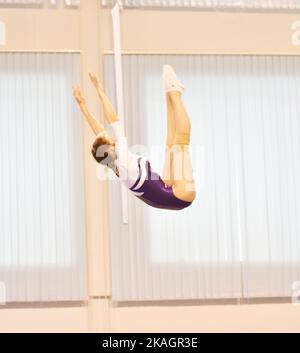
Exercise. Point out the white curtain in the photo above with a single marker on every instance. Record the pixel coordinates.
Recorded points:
(42, 247)
(209, 4)
(239, 239)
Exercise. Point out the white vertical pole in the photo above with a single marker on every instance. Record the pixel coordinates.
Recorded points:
(119, 89)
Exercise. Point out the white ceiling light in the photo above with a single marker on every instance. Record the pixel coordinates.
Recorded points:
(38, 3)
(283, 5)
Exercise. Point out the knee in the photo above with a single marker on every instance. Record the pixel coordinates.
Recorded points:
(182, 138)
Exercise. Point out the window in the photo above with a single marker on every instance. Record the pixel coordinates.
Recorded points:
(208, 4)
(240, 237)
(42, 256)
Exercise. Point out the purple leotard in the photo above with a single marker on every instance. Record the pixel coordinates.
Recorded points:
(154, 192)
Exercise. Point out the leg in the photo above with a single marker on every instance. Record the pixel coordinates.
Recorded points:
(109, 111)
(96, 126)
(184, 187)
(168, 164)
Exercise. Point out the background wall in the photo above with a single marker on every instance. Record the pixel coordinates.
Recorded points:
(204, 32)
(88, 30)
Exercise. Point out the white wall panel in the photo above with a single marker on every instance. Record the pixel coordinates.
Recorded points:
(42, 256)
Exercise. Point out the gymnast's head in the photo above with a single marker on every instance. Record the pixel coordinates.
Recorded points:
(104, 151)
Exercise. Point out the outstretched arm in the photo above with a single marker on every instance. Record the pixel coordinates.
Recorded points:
(96, 126)
(109, 111)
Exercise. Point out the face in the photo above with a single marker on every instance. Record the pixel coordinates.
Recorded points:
(104, 152)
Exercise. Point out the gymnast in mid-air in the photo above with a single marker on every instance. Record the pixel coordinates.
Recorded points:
(176, 189)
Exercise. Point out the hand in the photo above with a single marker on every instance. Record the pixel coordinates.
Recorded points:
(96, 82)
(78, 96)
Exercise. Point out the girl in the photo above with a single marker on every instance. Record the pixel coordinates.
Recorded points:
(176, 189)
